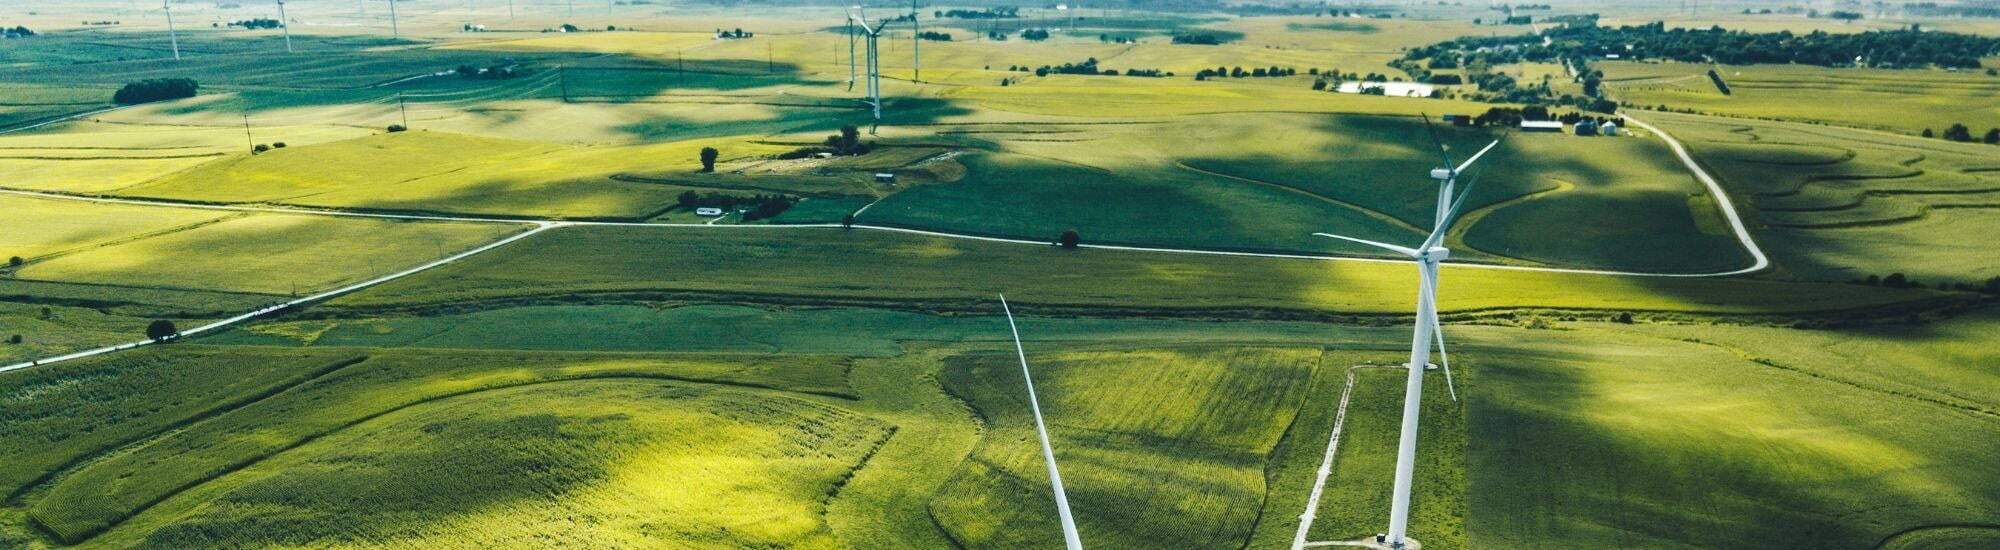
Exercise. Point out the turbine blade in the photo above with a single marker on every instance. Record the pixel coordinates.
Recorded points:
(1475, 157)
(1070, 539)
(1406, 251)
(1444, 358)
(1432, 131)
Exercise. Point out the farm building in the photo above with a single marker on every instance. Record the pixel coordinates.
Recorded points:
(707, 211)
(1541, 126)
(1609, 129)
(885, 177)
(1586, 128)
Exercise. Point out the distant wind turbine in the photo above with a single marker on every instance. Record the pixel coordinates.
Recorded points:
(172, 36)
(1426, 330)
(874, 66)
(394, 32)
(1070, 539)
(286, 24)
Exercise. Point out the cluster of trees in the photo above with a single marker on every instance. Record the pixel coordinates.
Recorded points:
(937, 36)
(1509, 116)
(1035, 34)
(155, 89)
(1089, 67)
(1117, 39)
(988, 13)
(737, 33)
(996, 36)
(16, 32)
(760, 206)
(498, 71)
(261, 148)
(1198, 39)
(258, 23)
(708, 156)
(1238, 72)
(1897, 48)
(1961, 133)
(1932, 9)
(846, 143)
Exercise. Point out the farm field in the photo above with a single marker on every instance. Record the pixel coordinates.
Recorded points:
(652, 273)
(1904, 101)
(1845, 204)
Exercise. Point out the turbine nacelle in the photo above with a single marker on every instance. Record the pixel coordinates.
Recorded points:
(1442, 174)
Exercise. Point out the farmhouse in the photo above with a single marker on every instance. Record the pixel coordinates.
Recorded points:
(1541, 126)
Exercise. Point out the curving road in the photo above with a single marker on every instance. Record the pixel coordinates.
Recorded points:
(539, 225)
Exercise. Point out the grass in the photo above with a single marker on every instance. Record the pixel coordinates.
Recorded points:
(268, 253)
(934, 273)
(1840, 204)
(1607, 438)
(1906, 100)
(107, 492)
(49, 228)
(603, 462)
(1183, 467)
(59, 415)
(1357, 492)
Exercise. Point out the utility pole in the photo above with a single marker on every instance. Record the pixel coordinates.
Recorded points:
(680, 66)
(562, 76)
(394, 32)
(770, 60)
(285, 23)
(405, 110)
(172, 36)
(246, 134)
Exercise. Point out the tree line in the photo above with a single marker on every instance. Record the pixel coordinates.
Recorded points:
(988, 13)
(760, 206)
(1910, 47)
(155, 89)
(1087, 67)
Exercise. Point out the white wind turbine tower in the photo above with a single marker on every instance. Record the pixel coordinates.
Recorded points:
(1070, 539)
(172, 36)
(1427, 256)
(286, 24)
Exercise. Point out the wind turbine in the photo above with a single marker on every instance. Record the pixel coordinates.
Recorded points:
(172, 36)
(850, 46)
(1427, 256)
(916, 43)
(874, 82)
(394, 32)
(1070, 539)
(285, 24)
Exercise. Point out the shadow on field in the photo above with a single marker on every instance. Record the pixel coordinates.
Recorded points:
(1640, 442)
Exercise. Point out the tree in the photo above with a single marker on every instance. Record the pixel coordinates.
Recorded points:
(1929, 133)
(1992, 286)
(155, 89)
(393, 128)
(1958, 132)
(708, 155)
(689, 199)
(15, 339)
(15, 261)
(847, 221)
(1625, 317)
(1896, 280)
(1069, 239)
(1992, 136)
(161, 329)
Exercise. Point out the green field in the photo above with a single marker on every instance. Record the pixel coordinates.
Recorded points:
(786, 382)
(1838, 204)
(830, 266)
(1906, 101)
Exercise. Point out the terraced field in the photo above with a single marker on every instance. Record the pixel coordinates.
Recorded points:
(1906, 101)
(1844, 204)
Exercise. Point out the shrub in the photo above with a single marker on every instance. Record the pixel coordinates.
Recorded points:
(396, 128)
(155, 89)
(15, 339)
(278, 145)
(1070, 239)
(161, 329)
(259, 149)
(1625, 317)
(847, 222)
